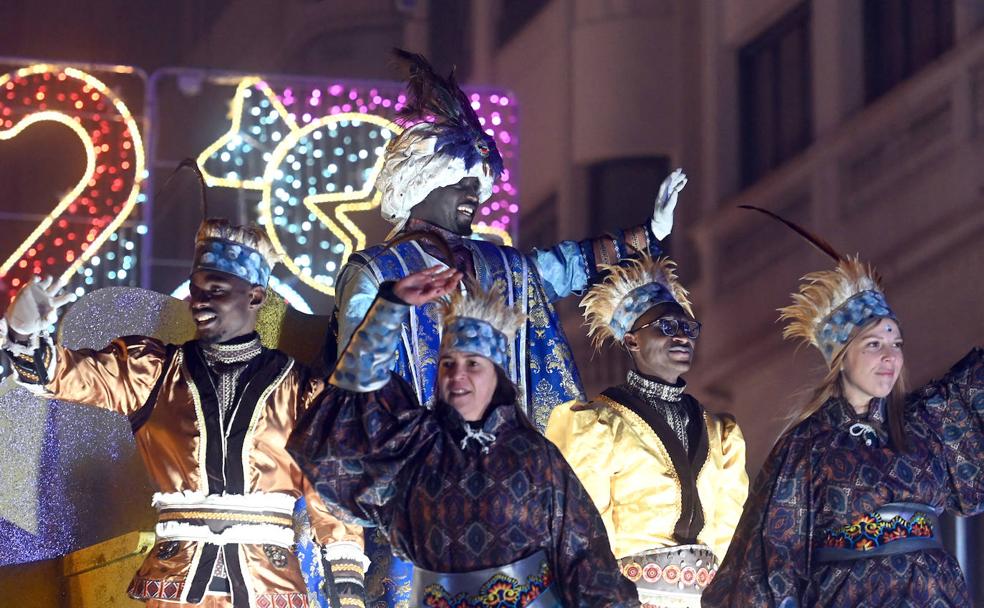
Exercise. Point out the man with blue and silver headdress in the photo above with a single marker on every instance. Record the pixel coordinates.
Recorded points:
(667, 475)
(211, 418)
(435, 175)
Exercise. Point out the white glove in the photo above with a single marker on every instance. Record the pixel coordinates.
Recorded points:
(666, 200)
(35, 307)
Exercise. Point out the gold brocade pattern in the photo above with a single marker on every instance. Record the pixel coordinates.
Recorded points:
(252, 518)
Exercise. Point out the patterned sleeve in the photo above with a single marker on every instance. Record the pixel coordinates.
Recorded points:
(327, 529)
(120, 377)
(954, 407)
(354, 448)
(570, 267)
(768, 559)
(355, 292)
(585, 569)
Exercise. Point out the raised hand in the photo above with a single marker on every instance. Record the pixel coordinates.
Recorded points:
(427, 285)
(35, 307)
(666, 200)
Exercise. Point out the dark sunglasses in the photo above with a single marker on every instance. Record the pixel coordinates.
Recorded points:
(670, 327)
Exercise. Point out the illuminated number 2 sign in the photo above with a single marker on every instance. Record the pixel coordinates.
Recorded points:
(107, 190)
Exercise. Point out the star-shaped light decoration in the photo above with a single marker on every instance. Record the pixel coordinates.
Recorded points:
(314, 158)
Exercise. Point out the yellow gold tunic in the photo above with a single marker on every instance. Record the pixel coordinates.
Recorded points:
(650, 492)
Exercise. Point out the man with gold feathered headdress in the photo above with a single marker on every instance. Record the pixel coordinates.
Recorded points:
(667, 476)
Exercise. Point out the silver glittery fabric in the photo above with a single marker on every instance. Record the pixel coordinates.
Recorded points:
(106, 314)
(664, 398)
(70, 475)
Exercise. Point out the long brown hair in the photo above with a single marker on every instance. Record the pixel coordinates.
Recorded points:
(832, 386)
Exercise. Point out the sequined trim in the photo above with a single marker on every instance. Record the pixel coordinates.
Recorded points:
(872, 530)
(665, 399)
(687, 569)
(652, 389)
(229, 517)
(635, 304)
(232, 258)
(465, 334)
(836, 328)
(232, 353)
(282, 600)
(365, 364)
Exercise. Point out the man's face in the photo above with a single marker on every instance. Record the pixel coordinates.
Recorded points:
(450, 207)
(655, 353)
(223, 306)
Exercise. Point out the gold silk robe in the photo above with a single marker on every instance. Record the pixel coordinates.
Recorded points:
(650, 492)
(169, 415)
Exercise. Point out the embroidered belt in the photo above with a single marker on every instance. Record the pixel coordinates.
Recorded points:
(528, 582)
(671, 576)
(898, 527)
(258, 518)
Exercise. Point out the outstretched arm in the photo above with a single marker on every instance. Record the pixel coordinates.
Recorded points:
(953, 407)
(570, 267)
(355, 445)
(121, 377)
(768, 559)
(365, 363)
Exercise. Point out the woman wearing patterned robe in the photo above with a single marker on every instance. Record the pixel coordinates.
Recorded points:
(845, 511)
(485, 508)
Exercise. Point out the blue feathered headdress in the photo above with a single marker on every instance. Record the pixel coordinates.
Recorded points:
(456, 126)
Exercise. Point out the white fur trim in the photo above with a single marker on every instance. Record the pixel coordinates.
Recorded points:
(242, 534)
(255, 501)
(346, 550)
(411, 170)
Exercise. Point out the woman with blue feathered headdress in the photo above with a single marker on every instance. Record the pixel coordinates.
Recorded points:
(846, 509)
(485, 508)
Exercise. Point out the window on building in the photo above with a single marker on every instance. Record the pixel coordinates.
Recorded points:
(513, 17)
(622, 191)
(449, 37)
(901, 37)
(538, 227)
(775, 83)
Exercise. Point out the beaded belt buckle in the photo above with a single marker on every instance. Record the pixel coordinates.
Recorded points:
(686, 569)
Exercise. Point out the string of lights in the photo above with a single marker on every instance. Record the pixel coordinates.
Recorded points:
(91, 213)
(313, 150)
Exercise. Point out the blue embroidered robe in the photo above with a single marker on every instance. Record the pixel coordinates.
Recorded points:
(541, 364)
